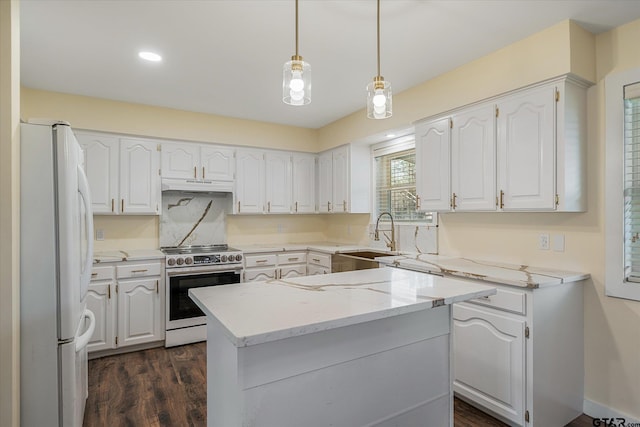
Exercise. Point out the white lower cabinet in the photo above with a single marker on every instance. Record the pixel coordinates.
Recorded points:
(103, 306)
(127, 299)
(139, 315)
(490, 360)
(274, 265)
(518, 354)
(318, 263)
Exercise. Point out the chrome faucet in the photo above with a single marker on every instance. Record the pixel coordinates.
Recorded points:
(391, 244)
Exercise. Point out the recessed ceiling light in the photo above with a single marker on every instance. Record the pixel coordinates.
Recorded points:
(150, 56)
(390, 135)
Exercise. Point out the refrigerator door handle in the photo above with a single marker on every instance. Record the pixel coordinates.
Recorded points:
(83, 340)
(83, 189)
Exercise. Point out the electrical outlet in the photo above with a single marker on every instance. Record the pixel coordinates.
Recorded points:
(99, 234)
(280, 228)
(543, 241)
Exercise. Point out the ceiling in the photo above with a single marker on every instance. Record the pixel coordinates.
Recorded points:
(226, 57)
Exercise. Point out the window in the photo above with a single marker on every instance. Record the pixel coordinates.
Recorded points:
(622, 185)
(395, 181)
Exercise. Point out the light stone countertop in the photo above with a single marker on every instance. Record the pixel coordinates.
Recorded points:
(258, 312)
(524, 276)
(326, 247)
(131, 255)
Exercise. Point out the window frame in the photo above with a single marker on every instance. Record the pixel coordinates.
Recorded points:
(615, 283)
(395, 145)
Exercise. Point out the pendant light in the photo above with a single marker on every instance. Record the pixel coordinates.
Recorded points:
(296, 77)
(379, 90)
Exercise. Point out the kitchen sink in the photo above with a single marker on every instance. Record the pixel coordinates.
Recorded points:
(370, 254)
(357, 260)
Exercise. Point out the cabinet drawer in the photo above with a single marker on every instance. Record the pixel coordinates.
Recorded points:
(260, 260)
(256, 274)
(292, 258)
(104, 272)
(319, 258)
(138, 270)
(507, 300)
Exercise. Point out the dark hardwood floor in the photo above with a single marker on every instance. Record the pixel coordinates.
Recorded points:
(167, 387)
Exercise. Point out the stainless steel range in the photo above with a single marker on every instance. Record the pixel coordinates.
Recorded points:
(190, 267)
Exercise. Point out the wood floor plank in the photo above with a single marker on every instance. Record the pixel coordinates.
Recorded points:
(166, 387)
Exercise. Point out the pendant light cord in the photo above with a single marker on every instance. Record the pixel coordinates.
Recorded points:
(297, 27)
(378, 37)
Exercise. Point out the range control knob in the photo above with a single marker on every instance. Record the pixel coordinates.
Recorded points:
(180, 261)
(171, 261)
(223, 258)
(239, 257)
(188, 261)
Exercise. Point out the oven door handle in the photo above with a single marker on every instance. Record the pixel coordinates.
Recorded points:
(203, 270)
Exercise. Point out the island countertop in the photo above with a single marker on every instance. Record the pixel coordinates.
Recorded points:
(258, 312)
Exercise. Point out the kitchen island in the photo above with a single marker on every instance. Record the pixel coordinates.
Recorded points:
(369, 347)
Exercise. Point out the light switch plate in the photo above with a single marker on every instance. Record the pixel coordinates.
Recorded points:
(99, 234)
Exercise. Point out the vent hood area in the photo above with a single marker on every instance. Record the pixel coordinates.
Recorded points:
(194, 185)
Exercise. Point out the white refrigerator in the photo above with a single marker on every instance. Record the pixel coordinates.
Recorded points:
(56, 251)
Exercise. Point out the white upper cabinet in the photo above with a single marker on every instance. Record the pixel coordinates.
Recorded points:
(217, 163)
(197, 161)
(325, 181)
(526, 150)
(433, 165)
(249, 195)
(101, 166)
(344, 180)
(304, 182)
(473, 160)
(277, 182)
(139, 177)
(523, 151)
(180, 160)
(123, 174)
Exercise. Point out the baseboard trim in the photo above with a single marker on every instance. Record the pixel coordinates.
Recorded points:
(597, 410)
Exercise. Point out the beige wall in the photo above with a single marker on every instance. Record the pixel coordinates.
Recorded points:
(122, 117)
(612, 326)
(9, 214)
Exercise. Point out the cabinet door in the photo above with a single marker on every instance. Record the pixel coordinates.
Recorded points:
(101, 167)
(473, 160)
(278, 182)
(257, 274)
(217, 163)
(526, 150)
(103, 306)
(139, 315)
(139, 177)
(180, 160)
(304, 183)
(489, 360)
(341, 180)
(433, 167)
(325, 182)
(289, 271)
(313, 270)
(249, 181)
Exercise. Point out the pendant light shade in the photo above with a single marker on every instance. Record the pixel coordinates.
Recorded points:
(379, 101)
(296, 77)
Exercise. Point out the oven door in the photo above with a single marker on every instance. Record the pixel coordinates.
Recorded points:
(181, 311)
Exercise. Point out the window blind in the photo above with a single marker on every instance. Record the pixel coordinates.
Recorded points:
(396, 186)
(632, 182)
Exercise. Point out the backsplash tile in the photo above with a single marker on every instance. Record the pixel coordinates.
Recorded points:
(193, 218)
